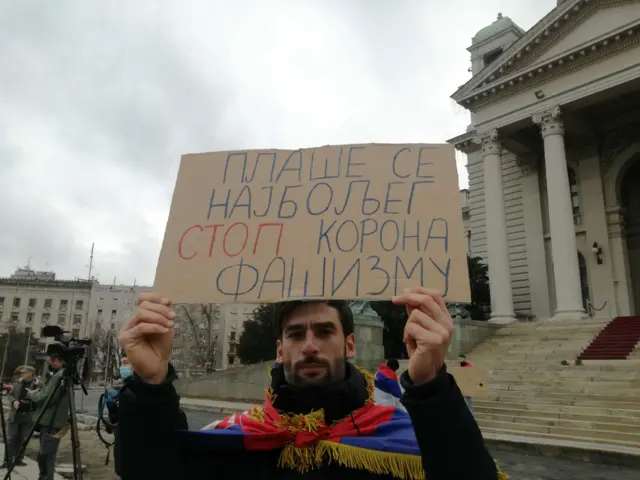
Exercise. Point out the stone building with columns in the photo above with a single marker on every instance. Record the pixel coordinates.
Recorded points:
(553, 154)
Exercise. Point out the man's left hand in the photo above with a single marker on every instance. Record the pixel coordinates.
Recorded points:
(427, 333)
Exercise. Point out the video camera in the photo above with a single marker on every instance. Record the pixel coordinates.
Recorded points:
(66, 347)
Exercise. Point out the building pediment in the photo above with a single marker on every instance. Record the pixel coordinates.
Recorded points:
(573, 35)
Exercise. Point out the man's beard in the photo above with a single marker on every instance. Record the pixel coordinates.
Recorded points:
(333, 371)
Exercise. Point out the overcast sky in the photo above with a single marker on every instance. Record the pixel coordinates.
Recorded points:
(98, 100)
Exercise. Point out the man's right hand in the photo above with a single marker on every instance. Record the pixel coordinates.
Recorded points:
(16, 404)
(147, 337)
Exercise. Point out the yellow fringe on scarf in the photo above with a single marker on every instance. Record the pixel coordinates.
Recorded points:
(398, 465)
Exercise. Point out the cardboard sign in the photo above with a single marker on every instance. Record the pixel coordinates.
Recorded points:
(473, 381)
(346, 222)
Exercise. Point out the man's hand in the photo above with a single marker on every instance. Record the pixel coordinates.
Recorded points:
(148, 336)
(16, 404)
(427, 333)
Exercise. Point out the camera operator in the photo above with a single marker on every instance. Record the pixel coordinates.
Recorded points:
(53, 419)
(20, 416)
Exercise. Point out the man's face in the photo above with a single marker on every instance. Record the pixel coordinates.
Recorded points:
(55, 363)
(313, 348)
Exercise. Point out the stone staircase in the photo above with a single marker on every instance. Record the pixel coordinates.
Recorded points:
(532, 394)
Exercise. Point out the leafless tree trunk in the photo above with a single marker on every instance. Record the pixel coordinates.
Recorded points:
(205, 341)
(105, 353)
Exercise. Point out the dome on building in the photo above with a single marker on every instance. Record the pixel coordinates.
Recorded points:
(500, 25)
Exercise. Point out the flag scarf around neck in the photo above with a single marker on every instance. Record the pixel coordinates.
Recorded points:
(375, 438)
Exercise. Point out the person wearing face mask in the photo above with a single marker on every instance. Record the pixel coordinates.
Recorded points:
(126, 371)
(53, 419)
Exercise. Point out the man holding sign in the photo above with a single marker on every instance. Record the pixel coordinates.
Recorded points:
(310, 229)
(319, 416)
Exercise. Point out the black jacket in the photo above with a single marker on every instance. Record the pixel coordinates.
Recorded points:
(449, 438)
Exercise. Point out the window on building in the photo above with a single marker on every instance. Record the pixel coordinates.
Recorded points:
(27, 332)
(176, 351)
(32, 303)
(79, 304)
(75, 332)
(113, 314)
(1, 302)
(232, 336)
(100, 301)
(47, 302)
(30, 317)
(0, 316)
(575, 195)
(115, 301)
(45, 319)
(77, 319)
(113, 326)
(14, 317)
(64, 304)
(99, 313)
(98, 325)
(16, 302)
(232, 348)
(62, 319)
(231, 359)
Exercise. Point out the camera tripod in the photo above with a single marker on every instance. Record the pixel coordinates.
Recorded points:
(4, 430)
(65, 387)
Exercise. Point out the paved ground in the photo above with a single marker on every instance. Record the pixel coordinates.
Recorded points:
(28, 472)
(518, 465)
(529, 467)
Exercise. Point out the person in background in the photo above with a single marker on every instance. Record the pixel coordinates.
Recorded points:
(462, 360)
(54, 419)
(126, 372)
(20, 420)
(387, 387)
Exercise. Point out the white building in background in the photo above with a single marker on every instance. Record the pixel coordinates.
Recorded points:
(30, 300)
(112, 305)
(553, 154)
(232, 318)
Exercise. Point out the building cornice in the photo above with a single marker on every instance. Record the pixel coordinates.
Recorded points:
(517, 70)
(467, 142)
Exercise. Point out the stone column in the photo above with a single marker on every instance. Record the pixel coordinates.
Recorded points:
(536, 255)
(496, 227)
(369, 345)
(564, 249)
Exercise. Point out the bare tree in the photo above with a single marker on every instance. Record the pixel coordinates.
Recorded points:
(105, 353)
(202, 321)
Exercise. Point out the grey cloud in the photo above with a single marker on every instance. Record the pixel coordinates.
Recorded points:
(100, 99)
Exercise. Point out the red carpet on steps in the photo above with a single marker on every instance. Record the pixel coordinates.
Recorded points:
(615, 341)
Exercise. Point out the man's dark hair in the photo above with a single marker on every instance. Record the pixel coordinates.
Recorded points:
(462, 355)
(393, 364)
(284, 310)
